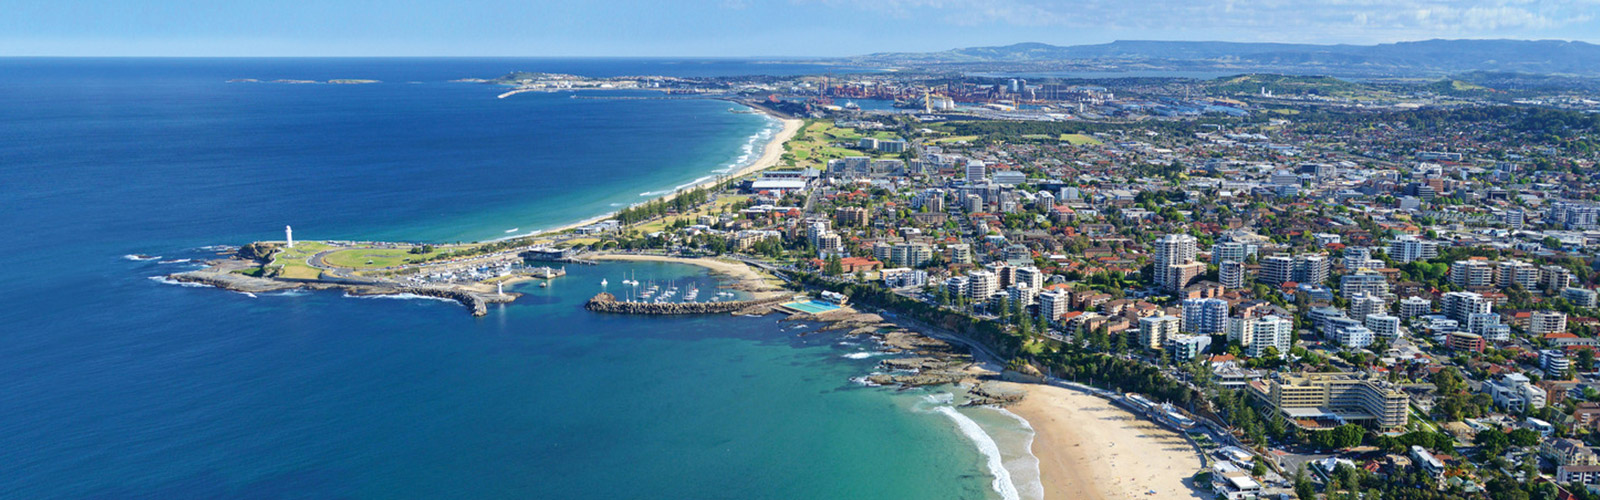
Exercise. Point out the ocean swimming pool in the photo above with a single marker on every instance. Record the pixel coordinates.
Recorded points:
(813, 307)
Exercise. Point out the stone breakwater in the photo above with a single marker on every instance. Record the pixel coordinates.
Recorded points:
(478, 303)
(608, 303)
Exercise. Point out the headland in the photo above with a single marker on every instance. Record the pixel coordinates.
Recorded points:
(1088, 448)
(472, 274)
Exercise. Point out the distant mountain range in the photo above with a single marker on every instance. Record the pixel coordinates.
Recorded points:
(1403, 59)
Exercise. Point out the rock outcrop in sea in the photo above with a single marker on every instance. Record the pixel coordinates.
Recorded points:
(925, 361)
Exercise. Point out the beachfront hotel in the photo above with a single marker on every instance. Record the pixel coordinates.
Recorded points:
(1313, 400)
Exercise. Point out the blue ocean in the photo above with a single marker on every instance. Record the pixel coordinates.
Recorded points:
(117, 385)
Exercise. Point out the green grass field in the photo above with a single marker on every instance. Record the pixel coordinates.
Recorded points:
(1079, 139)
(712, 208)
(812, 147)
(291, 262)
(372, 258)
(956, 138)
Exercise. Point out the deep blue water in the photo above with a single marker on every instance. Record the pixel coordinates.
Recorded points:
(431, 160)
(113, 385)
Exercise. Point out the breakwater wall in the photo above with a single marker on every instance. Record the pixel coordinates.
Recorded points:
(477, 303)
(607, 303)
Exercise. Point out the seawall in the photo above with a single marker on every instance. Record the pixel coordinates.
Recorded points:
(607, 303)
(478, 303)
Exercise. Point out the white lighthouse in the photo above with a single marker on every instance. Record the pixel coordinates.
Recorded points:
(288, 236)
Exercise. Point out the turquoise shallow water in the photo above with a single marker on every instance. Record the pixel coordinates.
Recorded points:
(114, 385)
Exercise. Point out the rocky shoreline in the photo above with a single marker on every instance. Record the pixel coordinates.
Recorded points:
(224, 274)
(927, 361)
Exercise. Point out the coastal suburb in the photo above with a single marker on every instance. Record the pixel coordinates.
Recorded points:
(1253, 285)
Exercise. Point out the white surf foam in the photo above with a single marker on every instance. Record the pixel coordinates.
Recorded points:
(862, 380)
(680, 187)
(749, 152)
(141, 258)
(170, 281)
(173, 261)
(941, 403)
(862, 355)
(943, 398)
(991, 451)
(401, 296)
(1023, 464)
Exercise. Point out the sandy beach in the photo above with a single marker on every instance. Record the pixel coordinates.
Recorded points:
(774, 150)
(1090, 449)
(770, 156)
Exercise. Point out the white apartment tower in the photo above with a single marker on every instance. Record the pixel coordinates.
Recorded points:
(1363, 283)
(1054, 304)
(1205, 316)
(1460, 306)
(1155, 330)
(1471, 273)
(1543, 322)
(982, 284)
(1231, 274)
(1411, 307)
(1171, 250)
(975, 172)
(1408, 248)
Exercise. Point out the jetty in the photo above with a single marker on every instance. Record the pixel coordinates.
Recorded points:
(608, 303)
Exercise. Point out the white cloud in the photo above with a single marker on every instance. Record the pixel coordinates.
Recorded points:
(1285, 20)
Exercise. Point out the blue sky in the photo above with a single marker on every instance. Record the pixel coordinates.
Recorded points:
(740, 27)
